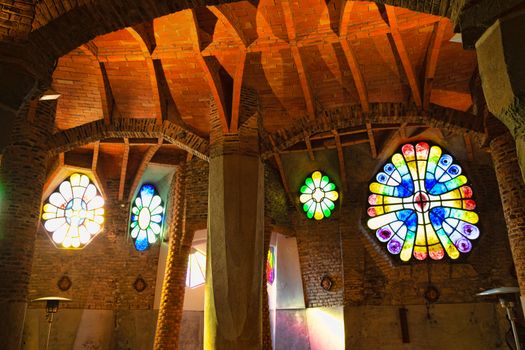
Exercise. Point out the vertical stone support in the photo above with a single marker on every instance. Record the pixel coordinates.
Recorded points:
(22, 177)
(187, 214)
(233, 294)
(500, 57)
(512, 192)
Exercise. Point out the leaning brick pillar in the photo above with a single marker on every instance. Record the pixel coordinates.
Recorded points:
(186, 216)
(500, 59)
(512, 192)
(22, 177)
(234, 278)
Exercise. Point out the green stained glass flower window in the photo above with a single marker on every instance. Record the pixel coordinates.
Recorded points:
(74, 214)
(318, 196)
(147, 216)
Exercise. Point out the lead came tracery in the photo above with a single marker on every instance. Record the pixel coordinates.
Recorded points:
(421, 205)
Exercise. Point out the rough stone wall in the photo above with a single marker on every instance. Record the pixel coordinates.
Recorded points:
(370, 276)
(103, 273)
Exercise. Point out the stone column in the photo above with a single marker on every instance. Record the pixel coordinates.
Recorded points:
(22, 177)
(500, 57)
(233, 295)
(512, 192)
(187, 214)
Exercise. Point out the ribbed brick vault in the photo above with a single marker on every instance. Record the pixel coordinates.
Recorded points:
(359, 71)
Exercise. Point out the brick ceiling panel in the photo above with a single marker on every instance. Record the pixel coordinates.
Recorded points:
(224, 36)
(311, 17)
(329, 75)
(242, 15)
(75, 78)
(383, 74)
(366, 20)
(131, 88)
(270, 20)
(174, 32)
(416, 42)
(119, 45)
(189, 89)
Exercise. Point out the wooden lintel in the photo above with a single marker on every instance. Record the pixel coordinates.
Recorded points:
(94, 161)
(371, 139)
(432, 59)
(123, 170)
(403, 55)
(340, 156)
(237, 87)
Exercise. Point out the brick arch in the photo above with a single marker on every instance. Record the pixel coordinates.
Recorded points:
(380, 113)
(70, 29)
(131, 128)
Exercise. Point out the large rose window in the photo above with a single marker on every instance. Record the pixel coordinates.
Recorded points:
(74, 213)
(421, 205)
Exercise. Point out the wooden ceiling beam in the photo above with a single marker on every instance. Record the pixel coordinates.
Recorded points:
(432, 60)
(123, 170)
(371, 139)
(341, 158)
(403, 55)
(142, 167)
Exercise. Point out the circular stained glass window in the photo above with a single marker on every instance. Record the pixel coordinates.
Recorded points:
(318, 196)
(421, 205)
(74, 213)
(147, 216)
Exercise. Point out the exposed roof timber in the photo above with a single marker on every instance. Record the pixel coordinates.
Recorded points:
(403, 55)
(142, 167)
(432, 59)
(341, 158)
(123, 170)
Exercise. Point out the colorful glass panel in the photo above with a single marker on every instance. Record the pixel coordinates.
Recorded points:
(318, 196)
(147, 217)
(270, 265)
(421, 205)
(74, 213)
(196, 273)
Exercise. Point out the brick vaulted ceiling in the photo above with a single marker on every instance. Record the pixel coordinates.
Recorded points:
(300, 57)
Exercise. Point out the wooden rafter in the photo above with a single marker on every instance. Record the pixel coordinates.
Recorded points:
(123, 170)
(94, 160)
(237, 87)
(209, 72)
(296, 55)
(371, 139)
(432, 59)
(403, 55)
(280, 167)
(143, 165)
(340, 156)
